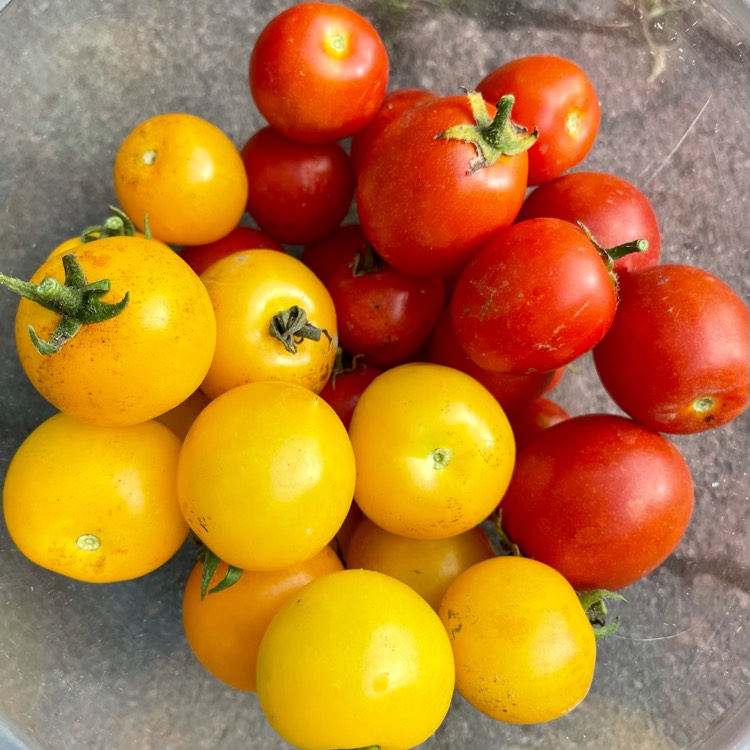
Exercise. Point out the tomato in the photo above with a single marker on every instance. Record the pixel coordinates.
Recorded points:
(535, 416)
(146, 359)
(200, 257)
(600, 498)
(537, 296)
(611, 208)
(384, 314)
(428, 566)
(355, 659)
(266, 475)
(557, 98)
(252, 290)
(676, 357)
(297, 192)
(95, 503)
(403, 183)
(340, 247)
(524, 649)
(434, 451)
(224, 628)
(182, 174)
(346, 384)
(318, 72)
(344, 534)
(183, 415)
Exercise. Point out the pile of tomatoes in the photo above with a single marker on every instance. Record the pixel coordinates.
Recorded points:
(354, 420)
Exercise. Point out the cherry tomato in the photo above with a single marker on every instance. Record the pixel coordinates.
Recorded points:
(524, 649)
(428, 566)
(340, 247)
(266, 475)
(253, 291)
(676, 357)
(200, 257)
(355, 659)
(403, 183)
(600, 498)
(224, 628)
(318, 72)
(183, 415)
(434, 451)
(534, 298)
(345, 386)
(611, 208)
(537, 415)
(97, 504)
(182, 174)
(146, 359)
(555, 96)
(297, 192)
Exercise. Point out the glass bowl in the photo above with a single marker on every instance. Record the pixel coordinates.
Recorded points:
(86, 666)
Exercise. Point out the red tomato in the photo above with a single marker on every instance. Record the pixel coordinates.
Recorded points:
(200, 257)
(425, 202)
(533, 417)
(676, 356)
(297, 192)
(341, 246)
(600, 498)
(534, 298)
(613, 210)
(555, 96)
(318, 72)
(345, 386)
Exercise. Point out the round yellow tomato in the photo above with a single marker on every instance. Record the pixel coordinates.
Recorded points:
(355, 659)
(98, 504)
(266, 475)
(524, 648)
(428, 566)
(224, 628)
(434, 451)
(185, 175)
(138, 364)
(252, 291)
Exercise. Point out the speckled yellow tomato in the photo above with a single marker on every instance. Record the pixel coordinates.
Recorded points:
(355, 659)
(185, 175)
(94, 503)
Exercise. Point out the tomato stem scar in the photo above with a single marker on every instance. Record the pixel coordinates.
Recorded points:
(441, 457)
(706, 403)
(291, 327)
(149, 157)
(88, 542)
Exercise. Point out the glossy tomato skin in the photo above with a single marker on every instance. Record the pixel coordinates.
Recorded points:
(338, 248)
(534, 298)
(343, 389)
(419, 207)
(533, 417)
(612, 209)
(600, 498)
(555, 96)
(676, 357)
(318, 72)
(297, 192)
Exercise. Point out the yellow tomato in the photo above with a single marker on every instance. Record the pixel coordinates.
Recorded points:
(183, 415)
(224, 629)
(434, 451)
(95, 503)
(524, 648)
(73, 244)
(355, 659)
(185, 175)
(266, 475)
(249, 291)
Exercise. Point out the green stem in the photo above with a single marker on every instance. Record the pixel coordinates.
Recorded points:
(291, 327)
(610, 254)
(505, 540)
(594, 604)
(210, 562)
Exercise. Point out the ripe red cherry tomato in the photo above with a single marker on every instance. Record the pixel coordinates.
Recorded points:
(535, 416)
(613, 210)
(318, 72)
(555, 96)
(600, 498)
(297, 192)
(676, 356)
(341, 246)
(346, 385)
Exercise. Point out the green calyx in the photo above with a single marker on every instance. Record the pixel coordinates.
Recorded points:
(210, 562)
(116, 225)
(610, 254)
(491, 137)
(595, 607)
(291, 327)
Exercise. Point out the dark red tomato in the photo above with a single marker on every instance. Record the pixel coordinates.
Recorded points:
(318, 72)
(343, 389)
(423, 201)
(613, 210)
(297, 192)
(537, 296)
(383, 313)
(557, 376)
(600, 498)
(395, 103)
(676, 356)
(200, 257)
(555, 96)
(340, 247)
(533, 417)
(511, 391)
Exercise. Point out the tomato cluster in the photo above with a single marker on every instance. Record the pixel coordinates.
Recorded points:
(353, 419)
